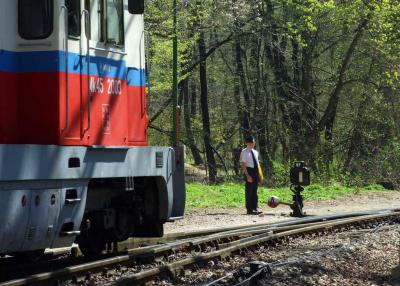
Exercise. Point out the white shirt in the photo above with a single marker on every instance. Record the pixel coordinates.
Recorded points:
(246, 157)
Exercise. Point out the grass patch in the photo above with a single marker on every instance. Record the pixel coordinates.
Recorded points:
(232, 195)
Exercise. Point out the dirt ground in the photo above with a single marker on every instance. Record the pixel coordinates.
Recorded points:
(196, 219)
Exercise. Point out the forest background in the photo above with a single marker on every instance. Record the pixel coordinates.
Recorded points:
(312, 80)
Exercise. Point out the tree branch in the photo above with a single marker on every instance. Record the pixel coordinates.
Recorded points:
(330, 110)
(161, 110)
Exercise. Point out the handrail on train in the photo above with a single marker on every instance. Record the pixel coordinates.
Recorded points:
(85, 13)
(65, 9)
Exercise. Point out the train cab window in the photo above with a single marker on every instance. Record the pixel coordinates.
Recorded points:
(35, 19)
(114, 22)
(74, 23)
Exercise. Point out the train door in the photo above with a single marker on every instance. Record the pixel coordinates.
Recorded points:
(76, 52)
(137, 117)
(103, 84)
(137, 114)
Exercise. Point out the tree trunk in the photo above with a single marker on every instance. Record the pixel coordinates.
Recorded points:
(189, 132)
(356, 137)
(329, 116)
(212, 168)
(260, 112)
(193, 99)
(239, 106)
(240, 73)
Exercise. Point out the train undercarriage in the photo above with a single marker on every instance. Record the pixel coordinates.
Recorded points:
(92, 196)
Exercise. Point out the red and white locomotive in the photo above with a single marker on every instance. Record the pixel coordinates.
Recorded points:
(75, 164)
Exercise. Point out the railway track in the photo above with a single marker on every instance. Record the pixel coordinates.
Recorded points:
(185, 250)
(255, 272)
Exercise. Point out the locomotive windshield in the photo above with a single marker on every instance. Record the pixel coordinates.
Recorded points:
(35, 18)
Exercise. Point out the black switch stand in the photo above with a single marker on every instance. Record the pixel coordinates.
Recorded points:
(297, 205)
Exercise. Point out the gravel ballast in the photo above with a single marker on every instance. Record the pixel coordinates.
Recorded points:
(340, 259)
(349, 258)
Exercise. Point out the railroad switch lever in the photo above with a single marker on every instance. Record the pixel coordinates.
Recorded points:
(297, 204)
(299, 177)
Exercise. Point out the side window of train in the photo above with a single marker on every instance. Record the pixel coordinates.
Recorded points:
(35, 19)
(112, 31)
(74, 26)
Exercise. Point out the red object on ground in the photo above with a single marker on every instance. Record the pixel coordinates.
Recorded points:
(273, 202)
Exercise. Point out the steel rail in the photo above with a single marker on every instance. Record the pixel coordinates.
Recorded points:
(252, 233)
(259, 270)
(249, 232)
(137, 242)
(177, 267)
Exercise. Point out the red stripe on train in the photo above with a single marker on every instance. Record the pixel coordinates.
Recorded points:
(33, 110)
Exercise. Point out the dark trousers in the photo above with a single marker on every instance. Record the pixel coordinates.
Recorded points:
(251, 190)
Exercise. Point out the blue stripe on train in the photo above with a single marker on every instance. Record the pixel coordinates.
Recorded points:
(54, 61)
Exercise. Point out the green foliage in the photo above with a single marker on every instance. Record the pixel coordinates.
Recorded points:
(281, 175)
(232, 195)
(288, 88)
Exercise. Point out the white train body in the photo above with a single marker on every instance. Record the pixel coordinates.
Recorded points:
(75, 164)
